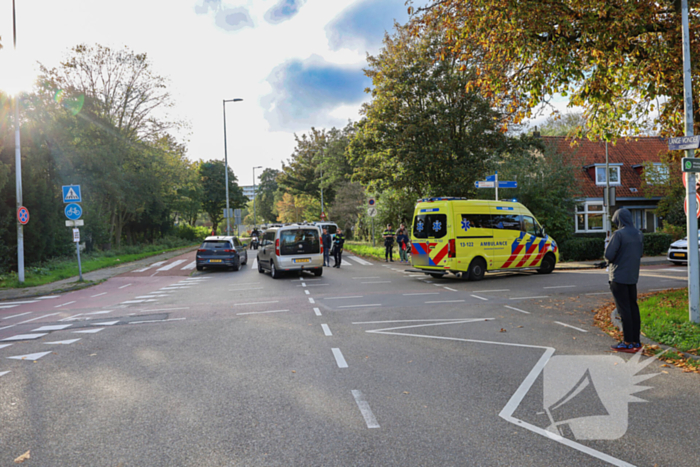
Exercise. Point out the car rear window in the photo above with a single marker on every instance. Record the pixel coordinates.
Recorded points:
(332, 229)
(430, 226)
(299, 242)
(215, 244)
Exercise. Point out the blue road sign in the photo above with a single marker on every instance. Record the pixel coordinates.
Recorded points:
(683, 142)
(73, 211)
(71, 194)
(507, 184)
(491, 178)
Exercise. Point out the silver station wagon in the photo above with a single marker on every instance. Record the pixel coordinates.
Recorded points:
(294, 247)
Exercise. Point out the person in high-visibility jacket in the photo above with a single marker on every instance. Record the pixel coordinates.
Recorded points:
(338, 242)
(389, 243)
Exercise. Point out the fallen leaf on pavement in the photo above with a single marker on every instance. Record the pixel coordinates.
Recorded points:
(406, 392)
(664, 365)
(503, 330)
(22, 458)
(93, 354)
(293, 371)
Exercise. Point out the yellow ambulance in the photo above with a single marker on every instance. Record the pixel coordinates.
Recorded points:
(456, 235)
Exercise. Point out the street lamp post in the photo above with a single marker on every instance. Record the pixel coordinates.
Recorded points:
(18, 166)
(255, 222)
(228, 218)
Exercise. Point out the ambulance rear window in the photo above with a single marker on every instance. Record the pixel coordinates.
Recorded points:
(430, 226)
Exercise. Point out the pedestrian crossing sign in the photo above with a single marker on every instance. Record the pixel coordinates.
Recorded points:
(71, 194)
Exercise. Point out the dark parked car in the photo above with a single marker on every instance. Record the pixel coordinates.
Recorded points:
(226, 252)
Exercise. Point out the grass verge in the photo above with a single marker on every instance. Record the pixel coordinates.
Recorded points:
(63, 268)
(366, 249)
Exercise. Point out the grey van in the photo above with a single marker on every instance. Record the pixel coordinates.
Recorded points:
(294, 247)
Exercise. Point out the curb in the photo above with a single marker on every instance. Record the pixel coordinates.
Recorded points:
(617, 322)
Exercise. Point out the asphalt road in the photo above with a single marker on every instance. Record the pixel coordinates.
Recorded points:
(366, 365)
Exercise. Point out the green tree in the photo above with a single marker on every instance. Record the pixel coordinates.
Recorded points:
(213, 182)
(618, 59)
(568, 125)
(265, 201)
(421, 132)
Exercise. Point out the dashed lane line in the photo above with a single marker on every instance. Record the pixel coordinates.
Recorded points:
(340, 298)
(528, 298)
(517, 309)
(317, 311)
(367, 277)
(339, 359)
(570, 326)
(307, 292)
(169, 309)
(366, 412)
(488, 291)
(255, 303)
(261, 312)
(157, 320)
(103, 293)
(64, 304)
(446, 301)
(422, 293)
(124, 286)
(326, 330)
(48, 297)
(38, 317)
(311, 300)
(360, 306)
(16, 316)
(376, 282)
(453, 290)
(480, 298)
(559, 287)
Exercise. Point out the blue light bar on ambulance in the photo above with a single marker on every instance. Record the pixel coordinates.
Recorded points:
(445, 198)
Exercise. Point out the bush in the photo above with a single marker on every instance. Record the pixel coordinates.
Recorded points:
(675, 231)
(191, 233)
(582, 249)
(656, 243)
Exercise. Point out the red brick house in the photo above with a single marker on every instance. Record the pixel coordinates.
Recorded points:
(627, 158)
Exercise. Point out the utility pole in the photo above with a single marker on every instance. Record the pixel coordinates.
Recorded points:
(693, 258)
(608, 228)
(255, 222)
(228, 218)
(18, 166)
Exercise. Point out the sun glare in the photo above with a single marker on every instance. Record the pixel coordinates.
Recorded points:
(17, 72)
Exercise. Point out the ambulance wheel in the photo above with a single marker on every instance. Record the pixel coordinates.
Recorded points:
(477, 269)
(548, 263)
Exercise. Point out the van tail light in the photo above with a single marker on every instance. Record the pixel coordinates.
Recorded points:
(321, 248)
(277, 247)
(451, 249)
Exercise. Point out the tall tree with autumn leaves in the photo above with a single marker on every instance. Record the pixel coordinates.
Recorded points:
(620, 60)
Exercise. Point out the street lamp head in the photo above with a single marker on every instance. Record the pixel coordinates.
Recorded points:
(16, 73)
(258, 167)
(233, 100)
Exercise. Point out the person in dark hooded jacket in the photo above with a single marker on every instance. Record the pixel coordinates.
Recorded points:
(623, 254)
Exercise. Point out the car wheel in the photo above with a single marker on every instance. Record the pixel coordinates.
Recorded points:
(260, 268)
(200, 268)
(273, 271)
(318, 272)
(547, 265)
(477, 269)
(246, 260)
(236, 265)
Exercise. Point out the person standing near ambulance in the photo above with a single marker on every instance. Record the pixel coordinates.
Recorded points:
(338, 242)
(623, 254)
(389, 243)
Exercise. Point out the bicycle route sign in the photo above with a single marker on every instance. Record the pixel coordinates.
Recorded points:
(73, 211)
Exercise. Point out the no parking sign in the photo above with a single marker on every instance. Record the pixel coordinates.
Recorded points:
(23, 215)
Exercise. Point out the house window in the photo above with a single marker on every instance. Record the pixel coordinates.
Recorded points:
(600, 176)
(589, 217)
(658, 175)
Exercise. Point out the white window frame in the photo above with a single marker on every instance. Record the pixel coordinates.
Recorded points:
(586, 212)
(603, 183)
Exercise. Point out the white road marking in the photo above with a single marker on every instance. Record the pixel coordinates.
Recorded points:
(450, 289)
(367, 277)
(517, 309)
(376, 282)
(366, 412)
(340, 360)
(169, 309)
(311, 285)
(8, 306)
(570, 326)
(307, 292)
(317, 311)
(311, 300)
(360, 260)
(344, 262)
(8, 327)
(48, 297)
(480, 298)
(18, 303)
(101, 312)
(192, 265)
(132, 301)
(124, 286)
(108, 323)
(603, 293)
(38, 317)
(168, 267)
(2, 346)
(103, 293)
(446, 320)
(66, 342)
(416, 275)
(88, 331)
(150, 266)
(446, 301)
(15, 316)
(340, 298)
(303, 284)
(253, 303)
(3, 373)
(157, 320)
(24, 337)
(64, 304)
(559, 287)
(150, 296)
(30, 356)
(326, 330)
(360, 306)
(261, 312)
(497, 290)
(423, 293)
(53, 327)
(528, 298)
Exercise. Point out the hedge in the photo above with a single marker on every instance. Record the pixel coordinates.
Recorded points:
(588, 249)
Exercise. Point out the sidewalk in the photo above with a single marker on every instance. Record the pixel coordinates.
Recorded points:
(90, 278)
(646, 261)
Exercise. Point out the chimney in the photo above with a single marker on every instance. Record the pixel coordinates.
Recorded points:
(535, 133)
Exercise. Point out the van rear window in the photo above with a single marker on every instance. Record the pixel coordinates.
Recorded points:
(430, 226)
(299, 242)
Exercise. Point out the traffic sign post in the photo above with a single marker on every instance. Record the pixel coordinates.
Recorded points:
(76, 239)
(372, 213)
(492, 182)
